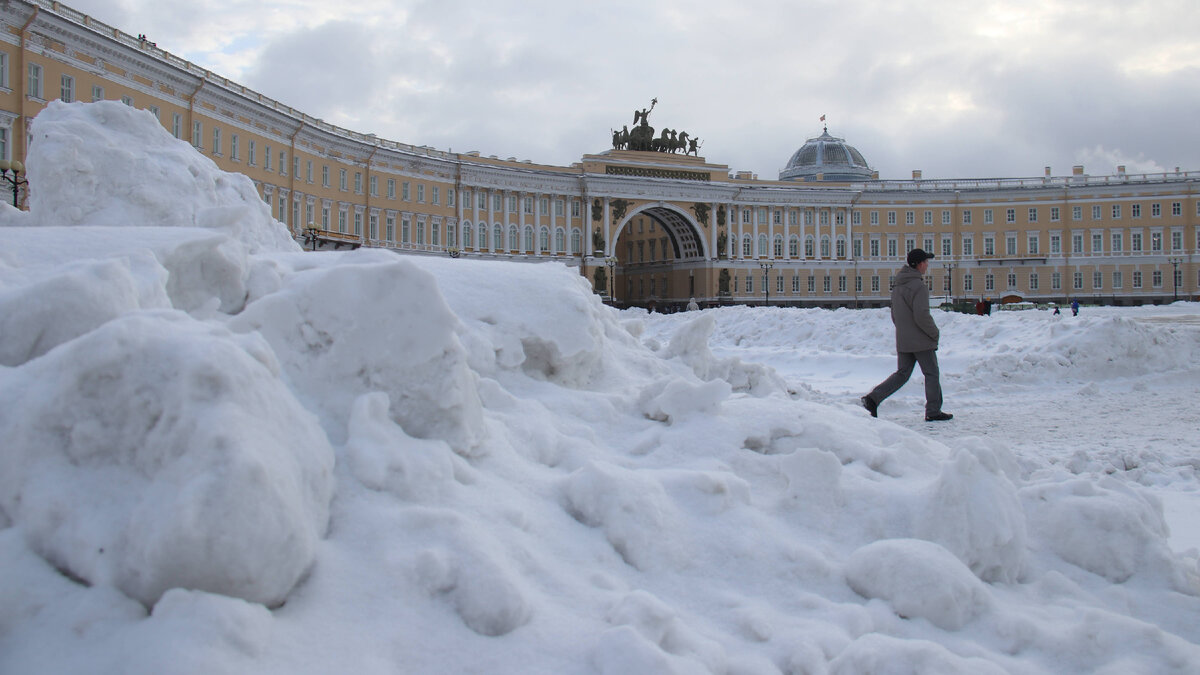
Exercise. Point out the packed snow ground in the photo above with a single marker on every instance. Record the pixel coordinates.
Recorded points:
(222, 454)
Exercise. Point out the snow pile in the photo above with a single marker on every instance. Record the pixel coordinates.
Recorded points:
(222, 454)
(107, 169)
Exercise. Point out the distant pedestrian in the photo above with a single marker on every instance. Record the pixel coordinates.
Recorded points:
(1056, 312)
(1074, 307)
(916, 339)
(692, 306)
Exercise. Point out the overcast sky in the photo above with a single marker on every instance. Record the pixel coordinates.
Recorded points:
(957, 89)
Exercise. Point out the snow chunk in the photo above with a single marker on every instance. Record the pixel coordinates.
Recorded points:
(674, 399)
(158, 452)
(383, 457)
(71, 301)
(1109, 528)
(919, 579)
(974, 511)
(406, 346)
(632, 509)
(110, 164)
(690, 345)
(883, 655)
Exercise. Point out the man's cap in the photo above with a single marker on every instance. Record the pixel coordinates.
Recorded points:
(918, 256)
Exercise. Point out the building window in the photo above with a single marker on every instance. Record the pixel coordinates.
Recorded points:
(1033, 281)
(1116, 242)
(343, 178)
(1135, 210)
(1156, 278)
(324, 175)
(1156, 210)
(1135, 242)
(177, 125)
(35, 81)
(1055, 244)
(929, 217)
(267, 157)
(1033, 215)
(4, 70)
(909, 218)
(989, 246)
(358, 182)
(252, 155)
(233, 147)
(1156, 243)
(946, 247)
(1116, 211)
(1034, 247)
(1177, 208)
(216, 141)
(374, 186)
(67, 94)
(989, 282)
(1137, 278)
(1077, 243)
(1076, 213)
(1056, 281)
(966, 217)
(891, 218)
(1012, 280)
(1097, 242)
(1054, 214)
(1097, 280)
(1096, 212)
(1010, 216)
(1010, 245)
(1118, 279)
(391, 188)
(1077, 281)
(968, 283)
(197, 135)
(987, 217)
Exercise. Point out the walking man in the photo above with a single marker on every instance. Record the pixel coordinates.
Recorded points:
(916, 339)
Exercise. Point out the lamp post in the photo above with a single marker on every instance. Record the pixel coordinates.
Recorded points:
(766, 268)
(453, 252)
(950, 267)
(1175, 262)
(11, 172)
(310, 233)
(611, 263)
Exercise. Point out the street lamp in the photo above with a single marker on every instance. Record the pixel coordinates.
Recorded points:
(11, 172)
(611, 262)
(310, 234)
(766, 268)
(1175, 262)
(453, 251)
(950, 267)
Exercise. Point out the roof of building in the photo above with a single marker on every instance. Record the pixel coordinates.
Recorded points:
(827, 158)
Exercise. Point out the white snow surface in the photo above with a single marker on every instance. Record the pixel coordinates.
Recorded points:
(221, 454)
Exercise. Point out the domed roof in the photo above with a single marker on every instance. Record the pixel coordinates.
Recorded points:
(827, 156)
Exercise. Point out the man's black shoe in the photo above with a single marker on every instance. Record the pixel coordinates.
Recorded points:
(871, 406)
(939, 417)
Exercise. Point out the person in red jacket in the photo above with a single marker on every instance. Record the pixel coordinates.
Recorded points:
(916, 339)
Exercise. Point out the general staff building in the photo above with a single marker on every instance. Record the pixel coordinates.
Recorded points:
(647, 221)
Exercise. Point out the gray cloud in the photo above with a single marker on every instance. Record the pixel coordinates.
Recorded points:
(955, 89)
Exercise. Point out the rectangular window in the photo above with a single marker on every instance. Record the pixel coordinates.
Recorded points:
(450, 199)
(909, 218)
(987, 217)
(1116, 211)
(1056, 281)
(216, 141)
(1097, 280)
(966, 217)
(4, 70)
(252, 154)
(391, 188)
(1137, 278)
(420, 193)
(1135, 242)
(233, 148)
(1012, 280)
(891, 218)
(1177, 208)
(1055, 244)
(197, 135)
(1097, 242)
(989, 282)
(127, 101)
(67, 92)
(1156, 279)
(1135, 210)
(1077, 281)
(1034, 248)
(1156, 243)
(1033, 281)
(437, 197)
(406, 195)
(325, 176)
(282, 163)
(1077, 243)
(1010, 245)
(1116, 242)
(989, 246)
(1076, 213)
(812, 284)
(358, 182)
(1054, 214)
(1156, 210)
(267, 157)
(1118, 279)
(308, 170)
(1096, 212)
(34, 88)
(1033, 215)
(945, 217)
(874, 218)
(177, 125)
(374, 186)
(1177, 241)
(929, 217)
(968, 283)
(946, 247)
(296, 166)
(1010, 215)
(968, 246)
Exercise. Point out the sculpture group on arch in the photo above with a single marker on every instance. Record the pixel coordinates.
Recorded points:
(642, 138)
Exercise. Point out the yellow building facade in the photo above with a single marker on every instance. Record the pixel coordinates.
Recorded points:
(647, 224)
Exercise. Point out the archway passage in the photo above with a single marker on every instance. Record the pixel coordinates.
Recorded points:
(684, 237)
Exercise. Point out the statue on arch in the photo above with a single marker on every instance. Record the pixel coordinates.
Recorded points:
(701, 211)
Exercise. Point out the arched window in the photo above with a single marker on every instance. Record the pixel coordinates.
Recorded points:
(808, 247)
(841, 247)
(467, 243)
(762, 244)
(747, 242)
(824, 246)
(544, 240)
(576, 241)
(497, 237)
(514, 238)
(528, 239)
(560, 240)
(794, 246)
(778, 246)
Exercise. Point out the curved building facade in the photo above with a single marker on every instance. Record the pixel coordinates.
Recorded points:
(648, 226)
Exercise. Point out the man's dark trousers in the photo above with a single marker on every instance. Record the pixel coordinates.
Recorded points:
(904, 367)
